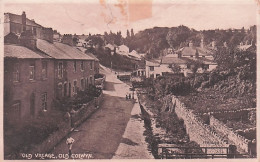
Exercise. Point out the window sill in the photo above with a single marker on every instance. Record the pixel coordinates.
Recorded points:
(32, 80)
(16, 82)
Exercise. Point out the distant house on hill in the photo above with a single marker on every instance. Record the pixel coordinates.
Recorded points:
(192, 51)
(134, 55)
(111, 48)
(247, 46)
(81, 43)
(184, 58)
(123, 50)
(153, 69)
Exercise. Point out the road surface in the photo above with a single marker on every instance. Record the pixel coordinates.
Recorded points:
(102, 133)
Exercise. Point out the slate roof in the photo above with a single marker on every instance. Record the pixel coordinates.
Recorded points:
(183, 60)
(152, 63)
(173, 60)
(110, 46)
(9, 17)
(17, 51)
(204, 60)
(82, 49)
(93, 56)
(188, 51)
(59, 50)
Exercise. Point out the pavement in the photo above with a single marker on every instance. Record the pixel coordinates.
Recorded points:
(101, 135)
(133, 145)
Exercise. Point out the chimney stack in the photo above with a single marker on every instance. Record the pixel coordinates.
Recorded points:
(23, 21)
(67, 39)
(47, 34)
(27, 39)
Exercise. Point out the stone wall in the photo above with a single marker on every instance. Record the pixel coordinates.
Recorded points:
(238, 140)
(65, 127)
(53, 139)
(86, 111)
(201, 133)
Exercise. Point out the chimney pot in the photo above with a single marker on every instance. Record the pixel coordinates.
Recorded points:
(23, 21)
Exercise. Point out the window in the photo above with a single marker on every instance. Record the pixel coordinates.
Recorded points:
(32, 104)
(75, 66)
(44, 69)
(16, 74)
(16, 110)
(90, 79)
(91, 65)
(157, 75)
(151, 68)
(86, 83)
(69, 89)
(82, 84)
(34, 31)
(32, 72)
(152, 76)
(59, 90)
(44, 101)
(65, 89)
(60, 70)
(74, 89)
(82, 65)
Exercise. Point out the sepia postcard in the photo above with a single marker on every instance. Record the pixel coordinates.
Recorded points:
(129, 80)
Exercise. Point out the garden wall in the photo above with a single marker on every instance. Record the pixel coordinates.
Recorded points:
(86, 111)
(238, 140)
(53, 139)
(201, 133)
(65, 127)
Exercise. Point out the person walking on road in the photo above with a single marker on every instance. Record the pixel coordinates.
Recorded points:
(69, 142)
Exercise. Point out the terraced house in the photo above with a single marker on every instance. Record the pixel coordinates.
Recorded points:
(73, 70)
(39, 70)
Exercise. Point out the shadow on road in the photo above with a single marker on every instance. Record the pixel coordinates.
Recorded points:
(128, 142)
(110, 86)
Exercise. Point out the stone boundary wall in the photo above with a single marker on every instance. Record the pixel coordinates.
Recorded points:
(227, 111)
(86, 111)
(201, 133)
(65, 127)
(240, 141)
(53, 139)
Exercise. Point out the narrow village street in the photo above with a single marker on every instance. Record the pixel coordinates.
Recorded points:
(101, 134)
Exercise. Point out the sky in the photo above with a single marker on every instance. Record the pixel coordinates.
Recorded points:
(97, 16)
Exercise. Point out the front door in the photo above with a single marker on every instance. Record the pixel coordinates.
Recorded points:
(32, 104)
